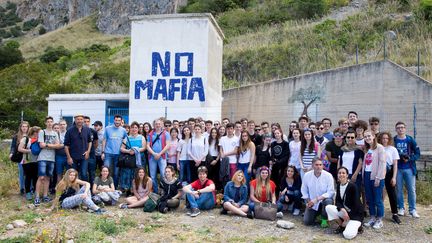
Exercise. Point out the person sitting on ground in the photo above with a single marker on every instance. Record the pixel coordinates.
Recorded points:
(141, 187)
(318, 190)
(262, 189)
(236, 195)
(348, 211)
(103, 188)
(200, 194)
(170, 187)
(69, 194)
(291, 186)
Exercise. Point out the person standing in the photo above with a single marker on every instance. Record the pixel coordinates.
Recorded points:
(78, 143)
(318, 191)
(374, 170)
(60, 154)
(98, 151)
(113, 137)
(327, 126)
(22, 132)
(334, 151)
(228, 148)
(392, 157)
(48, 141)
(91, 161)
(409, 152)
(157, 146)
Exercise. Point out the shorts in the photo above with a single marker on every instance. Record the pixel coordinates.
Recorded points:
(45, 168)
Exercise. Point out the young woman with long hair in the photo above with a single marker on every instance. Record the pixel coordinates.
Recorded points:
(294, 147)
(352, 158)
(280, 154)
(23, 130)
(245, 155)
(142, 186)
(214, 165)
(392, 157)
(291, 189)
(172, 151)
(262, 189)
(262, 154)
(170, 186)
(236, 195)
(29, 162)
(103, 188)
(183, 156)
(374, 170)
(309, 149)
(69, 194)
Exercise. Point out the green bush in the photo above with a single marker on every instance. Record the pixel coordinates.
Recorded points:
(424, 10)
(308, 9)
(42, 30)
(97, 48)
(16, 31)
(10, 55)
(30, 24)
(52, 54)
(213, 6)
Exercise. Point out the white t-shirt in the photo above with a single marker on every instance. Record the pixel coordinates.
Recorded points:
(228, 145)
(347, 161)
(183, 149)
(198, 148)
(368, 160)
(360, 142)
(213, 150)
(342, 189)
(392, 154)
(245, 157)
(295, 153)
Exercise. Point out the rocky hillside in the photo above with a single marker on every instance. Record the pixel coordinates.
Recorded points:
(112, 15)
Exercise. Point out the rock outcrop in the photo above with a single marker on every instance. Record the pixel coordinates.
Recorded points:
(112, 15)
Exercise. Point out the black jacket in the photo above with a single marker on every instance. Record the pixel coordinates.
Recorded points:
(351, 201)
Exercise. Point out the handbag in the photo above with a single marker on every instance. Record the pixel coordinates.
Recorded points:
(151, 203)
(17, 156)
(265, 211)
(127, 160)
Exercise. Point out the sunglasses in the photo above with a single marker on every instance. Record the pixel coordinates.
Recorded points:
(349, 137)
(216, 124)
(257, 130)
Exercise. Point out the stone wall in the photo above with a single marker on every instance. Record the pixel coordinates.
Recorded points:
(381, 89)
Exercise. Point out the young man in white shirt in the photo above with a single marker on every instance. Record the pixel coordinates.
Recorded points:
(228, 148)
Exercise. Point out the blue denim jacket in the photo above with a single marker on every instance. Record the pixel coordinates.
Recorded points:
(229, 193)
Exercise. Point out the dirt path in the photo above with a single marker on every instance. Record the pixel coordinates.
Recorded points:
(135, 225)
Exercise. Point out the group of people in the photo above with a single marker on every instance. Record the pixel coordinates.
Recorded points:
(334, 175)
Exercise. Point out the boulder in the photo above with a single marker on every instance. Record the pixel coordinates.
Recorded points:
(285, 224)
(19, 223)
(9, 227)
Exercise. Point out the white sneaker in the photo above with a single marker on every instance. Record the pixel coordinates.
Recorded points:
(296, 212)
(401, 211)
(279, 215)
(414, 214)
(370, 223)
(378, 224)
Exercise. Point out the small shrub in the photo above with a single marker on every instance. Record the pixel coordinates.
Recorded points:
(424, 10)
(107, 226)
(10, 55)
(97, 48)
(16, 31)
(30, 24)
(52, 54)
(42, 30)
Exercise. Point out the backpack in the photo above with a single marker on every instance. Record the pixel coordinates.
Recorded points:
(151, 203)
(35, 147)
(17, 156)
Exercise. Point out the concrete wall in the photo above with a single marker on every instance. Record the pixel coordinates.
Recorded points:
(198, 40)
(381, 89)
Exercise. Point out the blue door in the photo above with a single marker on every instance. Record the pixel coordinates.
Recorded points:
(112, 111)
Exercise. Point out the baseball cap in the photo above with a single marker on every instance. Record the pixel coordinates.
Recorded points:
(98, 123)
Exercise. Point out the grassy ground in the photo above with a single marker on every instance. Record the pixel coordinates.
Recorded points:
(79, 34)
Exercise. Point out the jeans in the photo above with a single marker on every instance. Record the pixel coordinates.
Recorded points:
(21, 177)
(407, 177)
(154, 165)
(81, 165)
(391, 190)
(185, 171)
(374, 196)
(76, 200)
(244, 167)
(310, 214)
(91, 164)
(204, 202)
(111, 161)
(45, 168)
(126, 177)
(61, 164)
(294, 197)
(252, 207)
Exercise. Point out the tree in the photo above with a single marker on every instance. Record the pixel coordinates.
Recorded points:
(10, 54)
(307, 97)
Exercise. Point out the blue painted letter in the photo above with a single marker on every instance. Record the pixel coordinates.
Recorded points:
(160, 89)
(189, 71)
(196, 85)
(173, 88)
(140, 85)
(157, 61)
